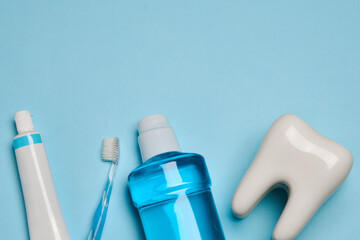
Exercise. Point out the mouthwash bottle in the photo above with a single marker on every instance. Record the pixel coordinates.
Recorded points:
(171, 189)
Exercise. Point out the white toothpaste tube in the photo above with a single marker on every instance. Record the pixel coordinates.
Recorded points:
(44, 215)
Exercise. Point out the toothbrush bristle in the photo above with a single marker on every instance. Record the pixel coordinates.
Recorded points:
(110, 151)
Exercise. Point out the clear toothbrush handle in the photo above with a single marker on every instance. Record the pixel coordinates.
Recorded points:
(101, 211)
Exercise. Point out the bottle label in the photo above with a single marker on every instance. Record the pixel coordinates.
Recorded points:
(27, 140)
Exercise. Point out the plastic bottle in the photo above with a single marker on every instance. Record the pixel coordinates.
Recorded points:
(45, 219)
(171, 189)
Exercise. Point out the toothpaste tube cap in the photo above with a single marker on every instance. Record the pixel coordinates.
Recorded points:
(24, 122)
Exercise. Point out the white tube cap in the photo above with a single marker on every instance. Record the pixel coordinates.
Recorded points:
(24, 122)
(156, 136)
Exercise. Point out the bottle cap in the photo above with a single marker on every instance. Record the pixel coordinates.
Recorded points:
(156, 136)
(24, 122)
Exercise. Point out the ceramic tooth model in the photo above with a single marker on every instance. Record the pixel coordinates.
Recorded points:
(295, 156)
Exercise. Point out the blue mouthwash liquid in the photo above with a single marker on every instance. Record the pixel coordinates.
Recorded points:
(171, 190)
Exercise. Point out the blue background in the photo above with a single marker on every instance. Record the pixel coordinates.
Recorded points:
(221, 71)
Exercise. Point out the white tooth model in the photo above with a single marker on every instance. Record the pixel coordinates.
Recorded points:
(295, 156)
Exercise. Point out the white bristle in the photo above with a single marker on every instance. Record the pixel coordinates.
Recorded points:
(110, 151)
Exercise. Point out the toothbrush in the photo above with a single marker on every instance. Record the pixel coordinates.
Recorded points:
(110, 152)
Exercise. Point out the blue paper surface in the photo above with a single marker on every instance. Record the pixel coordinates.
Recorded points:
(222, 71)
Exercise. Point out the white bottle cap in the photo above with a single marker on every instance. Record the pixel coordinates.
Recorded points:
(156, 136)
(24, 122)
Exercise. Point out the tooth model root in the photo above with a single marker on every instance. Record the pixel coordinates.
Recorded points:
(294, 155)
